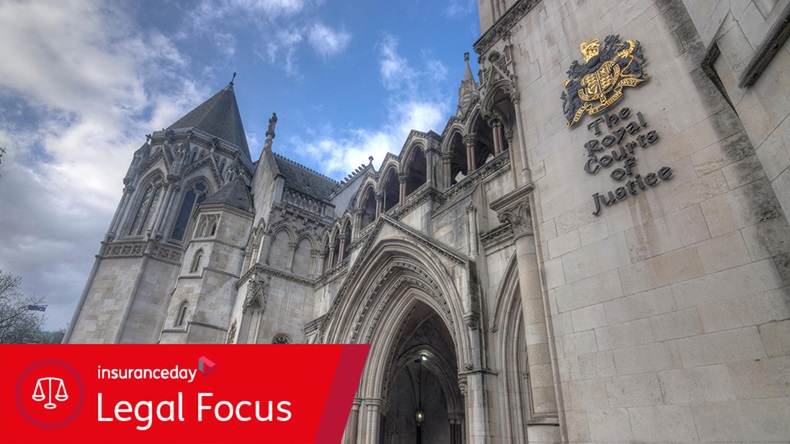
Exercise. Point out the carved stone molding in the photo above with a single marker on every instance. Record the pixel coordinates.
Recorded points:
(513, 208)
(502, 26)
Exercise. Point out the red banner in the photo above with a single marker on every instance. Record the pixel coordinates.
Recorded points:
(177, 393)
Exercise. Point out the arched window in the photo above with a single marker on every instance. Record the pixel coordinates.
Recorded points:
(417, 171)
(391, 188)
(146, 210)
(281, 338)
(196, 261)
(196, 194)
(182, 314)
(368, 208)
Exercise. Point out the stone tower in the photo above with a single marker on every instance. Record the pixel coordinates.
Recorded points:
(142, 264)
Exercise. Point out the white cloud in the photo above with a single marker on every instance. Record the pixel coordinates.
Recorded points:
(457, 8)
(394, 69)
(282, 49)
(210, 12)
(413, 104)
(326, 41)
(85, 87)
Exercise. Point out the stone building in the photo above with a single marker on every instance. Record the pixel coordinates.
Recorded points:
(594, 249)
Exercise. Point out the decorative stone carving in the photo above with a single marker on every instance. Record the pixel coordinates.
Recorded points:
(513, 208)
(257, 291)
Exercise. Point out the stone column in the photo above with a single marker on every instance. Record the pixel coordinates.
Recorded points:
(160, 212)
(342, 252)
(373, 408)
(469, 141)
(447, 170)
(111, 234)
(402, 187)
(291, 250)
(379, 203)
(526, 175)
(356, 222)
(496, 127)
(430, 168)
(456, 425)
(264, 252)
(129, 203)
(329, 262)
(314, 255)
(514, 208)
(350, 437)
(471, 215)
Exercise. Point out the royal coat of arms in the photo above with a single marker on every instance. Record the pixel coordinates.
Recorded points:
(598, 83)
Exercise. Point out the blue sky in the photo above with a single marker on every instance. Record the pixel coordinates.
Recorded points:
(82, 82)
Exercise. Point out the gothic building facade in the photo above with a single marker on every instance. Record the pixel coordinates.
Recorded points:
(594, 249)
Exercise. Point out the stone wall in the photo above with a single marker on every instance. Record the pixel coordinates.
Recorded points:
(667, 304)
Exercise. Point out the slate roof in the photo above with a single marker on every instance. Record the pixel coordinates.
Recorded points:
(303, 179)
(218, 116)
(234, 193)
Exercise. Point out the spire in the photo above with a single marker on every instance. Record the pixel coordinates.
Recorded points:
(467, 73)
(468, 92)
(218, 116)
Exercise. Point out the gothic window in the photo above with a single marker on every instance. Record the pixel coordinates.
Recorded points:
(346, 237)
(196, 194)
(336, 248)
(206, 226)
(368, 208)
(196, 261)
(458, 161)
(302, 262)
(182, 314)
(417, 171)
(281, 338)
(391, 188)
(326, 256)
(146, 210)
(484, 145)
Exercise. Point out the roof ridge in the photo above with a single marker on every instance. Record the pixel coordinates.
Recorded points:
(306, 168)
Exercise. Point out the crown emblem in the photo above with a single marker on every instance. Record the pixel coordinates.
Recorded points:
(597, 83)
(590, 48)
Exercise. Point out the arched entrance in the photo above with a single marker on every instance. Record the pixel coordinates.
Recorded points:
(424, 379)
(406, 302)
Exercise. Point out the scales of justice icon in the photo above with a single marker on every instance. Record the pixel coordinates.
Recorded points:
(39, 394)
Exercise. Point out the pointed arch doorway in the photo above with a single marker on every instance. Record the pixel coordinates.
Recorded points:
(424, 401)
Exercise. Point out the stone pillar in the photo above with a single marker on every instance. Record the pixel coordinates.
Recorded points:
(456, 434)
(496, 127)
(266, 241)
(160, 212)
(111, 233)
(350, 437)
(314, 255)
(356, 222)
(471, 217)
(470, 140)
(342, 253)
(514, 208)
(291, 250)
(373, 407)
(329, 262)
(379, 203)
(402, 187)
(430, 168)
(526, 175)
(447, 170)
(125, 213)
